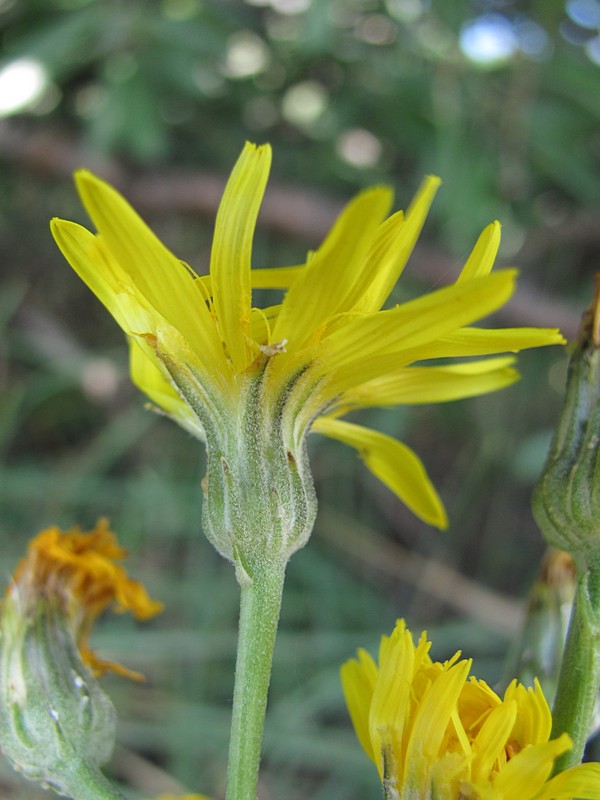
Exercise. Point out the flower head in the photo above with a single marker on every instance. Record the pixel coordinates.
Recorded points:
(78, 575)
(58, 726)
(434, 732)
(253, 382)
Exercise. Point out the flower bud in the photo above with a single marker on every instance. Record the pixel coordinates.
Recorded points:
(54, 715)
(57, 726)
(566, 501)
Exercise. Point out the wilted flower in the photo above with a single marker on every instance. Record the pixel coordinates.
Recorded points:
(57, 725)
(77, 574)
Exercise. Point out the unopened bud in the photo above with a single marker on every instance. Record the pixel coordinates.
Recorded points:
(57, 726)
(566, 501)
(54, 717)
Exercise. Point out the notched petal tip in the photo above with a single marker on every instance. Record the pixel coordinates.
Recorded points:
(252, 150)
(56, 224)
(59, 226)
(556, 337)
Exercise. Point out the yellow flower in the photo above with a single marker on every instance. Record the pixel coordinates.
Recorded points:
(78, 575)
(433, 732)
(243, 378)
(182, 797)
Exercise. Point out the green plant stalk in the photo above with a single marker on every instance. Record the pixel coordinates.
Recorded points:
(566, 506)
(88, 783)
(259, 616)
(579, 679)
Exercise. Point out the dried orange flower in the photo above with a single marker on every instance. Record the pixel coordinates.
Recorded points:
(78, 572)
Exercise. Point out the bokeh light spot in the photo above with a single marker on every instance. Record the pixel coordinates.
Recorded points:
(290, 7)
(22, 83)
(533, 40)
(592, 49)
(247, 55)
(358, 147)
(584, 12)
(489, 39)
(376, 29)
(406, 10)
(304, 103)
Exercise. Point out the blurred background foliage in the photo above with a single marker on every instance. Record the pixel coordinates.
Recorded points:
(500, 98)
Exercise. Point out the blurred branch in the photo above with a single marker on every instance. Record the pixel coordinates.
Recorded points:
(428, 577)
(143, 775)
(290, 210)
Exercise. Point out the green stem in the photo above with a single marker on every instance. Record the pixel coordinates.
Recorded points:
(579, 679)
(259, 617)
(88, 783)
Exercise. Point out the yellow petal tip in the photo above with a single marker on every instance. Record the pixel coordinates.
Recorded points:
(434, 180)
(258, 150)
(84, 175)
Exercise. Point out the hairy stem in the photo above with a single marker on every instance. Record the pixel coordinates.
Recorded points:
(259, 617)
(88, 783)
(579, 678)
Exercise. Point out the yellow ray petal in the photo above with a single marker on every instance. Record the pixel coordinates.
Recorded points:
(491, 740)
(231, 254)
(148, 375)
(476, 701)
(534, 720)
(482, 257)
(431, 720)
(417, 322)
(151, 269)
(416, 385)
(393, 463)
(462, 343)
(358, 682)
(96, 266)
(524, 774)
(393, 246)
(326, 285)
(389, 719)
(579, 781)
(487, 341)
(276, 277)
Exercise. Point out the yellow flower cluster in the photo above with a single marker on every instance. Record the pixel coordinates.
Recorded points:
(434, 732)
(77, 573)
